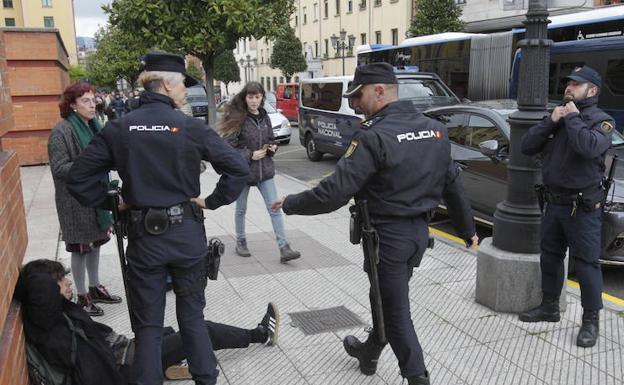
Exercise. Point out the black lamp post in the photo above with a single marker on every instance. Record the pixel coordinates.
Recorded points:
(340, 43)
(517, 219)
(247, 65)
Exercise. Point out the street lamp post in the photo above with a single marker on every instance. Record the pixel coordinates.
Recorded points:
(340, 44)
(247, 66)
(508, 270)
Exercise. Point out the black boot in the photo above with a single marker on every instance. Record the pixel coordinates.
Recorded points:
(548, 311)
(367, 353)
(423, 379)
(589, 329)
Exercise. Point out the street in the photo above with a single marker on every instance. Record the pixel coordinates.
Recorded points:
(292, 161)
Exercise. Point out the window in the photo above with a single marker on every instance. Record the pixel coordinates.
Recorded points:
(377, 37)
(9, 22)
(362, 5)
(456, 126)
(460, 1)
(305, 17)
(281, 80)
(274, 82)
(268, 83)
(615, 76)
(314, 17)
(46, 3)
(261, 57)
(296, 81)
(350, 6)
(363, 38)
(262, 80)
(48, 22)
(296, 20)
(244, 45)
(287, 92)
(326, 48)
(326, 9)
(322, 96)
(7, 3)
(377, 3)
(481, 129)
(395, 36)
(337, 7)
(316, 53)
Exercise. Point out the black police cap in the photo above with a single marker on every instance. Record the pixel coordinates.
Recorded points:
(585, 74)
(374, 73)
(168, 62)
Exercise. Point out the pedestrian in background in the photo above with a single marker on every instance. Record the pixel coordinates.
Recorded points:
(247, 127)
(402, 181)
(83, 229)
(573, 142)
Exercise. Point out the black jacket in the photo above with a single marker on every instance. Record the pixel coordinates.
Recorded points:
(573, 149)
(45, 326)
(157, 152)
(255, 133)
(400, 162)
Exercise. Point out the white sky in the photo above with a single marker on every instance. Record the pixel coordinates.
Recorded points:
(89, 16)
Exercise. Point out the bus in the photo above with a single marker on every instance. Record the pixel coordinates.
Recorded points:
(478, 66)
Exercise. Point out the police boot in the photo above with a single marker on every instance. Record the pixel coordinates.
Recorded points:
(589, 329)
(548, 311)
(423, 379)
(367, 353)
(241, 248)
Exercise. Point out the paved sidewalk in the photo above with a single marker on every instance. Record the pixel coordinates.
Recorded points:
(464, 343)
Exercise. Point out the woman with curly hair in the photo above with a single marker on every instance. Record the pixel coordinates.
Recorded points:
(247, 127)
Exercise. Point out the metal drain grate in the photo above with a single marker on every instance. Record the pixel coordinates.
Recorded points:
(325, 320)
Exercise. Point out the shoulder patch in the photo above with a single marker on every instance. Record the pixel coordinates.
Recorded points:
(606, 127)
(351, 148)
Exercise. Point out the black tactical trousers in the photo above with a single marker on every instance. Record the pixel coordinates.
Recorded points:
(398, 243)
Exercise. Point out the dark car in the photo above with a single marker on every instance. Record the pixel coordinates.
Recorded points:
(196, 97)
(480, 133)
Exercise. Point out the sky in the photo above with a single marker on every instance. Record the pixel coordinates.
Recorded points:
(89, 16)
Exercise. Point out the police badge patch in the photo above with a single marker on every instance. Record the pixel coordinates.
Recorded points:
(606, 127)
(352, 147)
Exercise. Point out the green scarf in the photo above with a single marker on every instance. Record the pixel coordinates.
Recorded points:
(84, 133)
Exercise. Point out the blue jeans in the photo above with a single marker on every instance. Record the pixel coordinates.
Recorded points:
(269, 194)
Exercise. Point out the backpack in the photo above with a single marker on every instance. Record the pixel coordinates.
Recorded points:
(40, 371)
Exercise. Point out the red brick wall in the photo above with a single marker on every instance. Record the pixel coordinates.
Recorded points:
(39, 76)
(13, 240)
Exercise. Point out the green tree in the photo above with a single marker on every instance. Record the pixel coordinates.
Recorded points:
(194, 71)
(117, 56)
(226, 69)
(287, 54)
(436, 16)
(76, 73)
(200, 28)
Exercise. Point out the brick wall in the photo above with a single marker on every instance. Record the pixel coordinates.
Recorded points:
(39, 76)
(13, 240)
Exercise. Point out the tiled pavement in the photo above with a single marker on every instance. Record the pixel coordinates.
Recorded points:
(464, 343)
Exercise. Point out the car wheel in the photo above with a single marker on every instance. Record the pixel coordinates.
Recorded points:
(313, 154)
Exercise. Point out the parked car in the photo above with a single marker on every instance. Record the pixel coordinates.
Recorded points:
(480, 136)
(271, 98)
(281, 125)
(327, 122)
(288, 100)
(198, 100)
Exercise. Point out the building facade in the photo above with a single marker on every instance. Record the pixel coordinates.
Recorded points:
(57, 14)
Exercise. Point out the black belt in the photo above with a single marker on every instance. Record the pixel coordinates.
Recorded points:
(395, 218)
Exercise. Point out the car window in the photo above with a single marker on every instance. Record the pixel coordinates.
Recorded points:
(322, 96)
(420, 88)
(196, 91)
(456, 126)
(481, 129)
(287, 92)
(269, 108)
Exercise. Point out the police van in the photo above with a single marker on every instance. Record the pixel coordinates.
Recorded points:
(326, 122)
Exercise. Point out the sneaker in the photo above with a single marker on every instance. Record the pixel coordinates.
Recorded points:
(100, 294)
(241, 249)
(178, 372)
(270, 323)
(87, 304)
(288, 254)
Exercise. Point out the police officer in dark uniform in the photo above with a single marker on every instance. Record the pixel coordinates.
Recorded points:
(572, 142)
(399, 161)
(157, 151)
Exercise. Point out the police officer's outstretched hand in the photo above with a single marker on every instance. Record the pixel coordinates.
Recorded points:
(199, 202)
(258, 154)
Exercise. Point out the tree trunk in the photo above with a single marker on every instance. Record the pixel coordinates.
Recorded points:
(208, 64)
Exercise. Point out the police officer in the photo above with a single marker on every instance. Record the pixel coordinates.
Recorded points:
(399, 162)
(157, 152)
(572, 142)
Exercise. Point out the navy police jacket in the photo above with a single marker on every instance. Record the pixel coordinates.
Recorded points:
(157, 151)
(400, 162)
(573, 149)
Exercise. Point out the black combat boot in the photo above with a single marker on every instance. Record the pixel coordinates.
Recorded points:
(589, 329)
(423, 379)
(367, 353)
(548, 311)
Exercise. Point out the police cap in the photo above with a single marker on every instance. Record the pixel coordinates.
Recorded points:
(585, 74)
(374, 73)
(168, 62)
